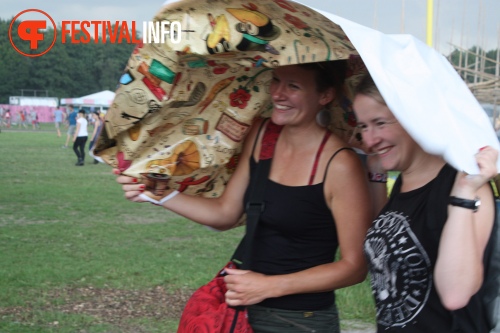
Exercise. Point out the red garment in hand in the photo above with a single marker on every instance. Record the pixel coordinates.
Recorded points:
(207, 311)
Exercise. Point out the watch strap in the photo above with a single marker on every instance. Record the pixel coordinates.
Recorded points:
(465, 203)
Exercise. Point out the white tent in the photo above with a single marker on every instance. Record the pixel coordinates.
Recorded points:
(102, 99)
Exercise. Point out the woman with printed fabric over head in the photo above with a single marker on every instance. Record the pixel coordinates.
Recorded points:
(425, 249)
(316, 202)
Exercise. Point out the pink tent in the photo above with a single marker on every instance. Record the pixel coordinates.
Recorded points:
(45, 113)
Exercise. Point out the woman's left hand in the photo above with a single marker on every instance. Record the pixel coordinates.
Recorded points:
(245, 287)
(486, 160)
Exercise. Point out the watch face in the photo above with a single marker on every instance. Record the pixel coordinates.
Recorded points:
(476, 203)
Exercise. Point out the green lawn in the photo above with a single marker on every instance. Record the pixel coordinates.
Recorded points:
(75, 256)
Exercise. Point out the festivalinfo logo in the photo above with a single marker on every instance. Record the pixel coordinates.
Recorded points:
(31, 32)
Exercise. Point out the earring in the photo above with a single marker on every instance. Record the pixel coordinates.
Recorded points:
(323, 117)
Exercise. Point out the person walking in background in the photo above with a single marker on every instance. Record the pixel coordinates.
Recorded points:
(72, 115)
(2, 114)
(8, 117)
(426, 247)
(34, 119)
(22, 119)
(27, 118)
(59, 118)
(80, 137)
(2, 117)
(97, 123)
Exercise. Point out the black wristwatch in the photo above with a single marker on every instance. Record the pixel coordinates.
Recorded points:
(465, 203)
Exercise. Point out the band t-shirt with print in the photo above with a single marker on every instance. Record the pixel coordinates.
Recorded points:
(401, 247)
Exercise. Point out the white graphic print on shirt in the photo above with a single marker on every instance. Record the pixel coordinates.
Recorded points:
(400, 269)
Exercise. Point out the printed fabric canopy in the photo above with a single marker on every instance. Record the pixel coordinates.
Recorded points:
(182, 111)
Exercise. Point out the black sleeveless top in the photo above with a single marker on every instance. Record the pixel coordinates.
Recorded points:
(401, 247)
(296, 231)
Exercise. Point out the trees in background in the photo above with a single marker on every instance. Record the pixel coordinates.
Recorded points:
(474, 61)
(72, 70)
(67, 70)
(481, 72)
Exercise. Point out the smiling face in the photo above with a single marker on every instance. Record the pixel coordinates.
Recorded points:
(295, 95)
(383, 134)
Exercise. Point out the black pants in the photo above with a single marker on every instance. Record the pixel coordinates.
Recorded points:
(79, 147)
(269, 320)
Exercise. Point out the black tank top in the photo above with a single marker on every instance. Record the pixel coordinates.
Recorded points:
(295, 232)
(401, 247)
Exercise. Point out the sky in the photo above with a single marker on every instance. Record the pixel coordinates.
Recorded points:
(463, 23)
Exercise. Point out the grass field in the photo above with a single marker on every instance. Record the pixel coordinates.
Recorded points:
(75, 256)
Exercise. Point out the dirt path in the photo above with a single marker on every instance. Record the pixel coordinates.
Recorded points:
(357, 327)
(116, 307)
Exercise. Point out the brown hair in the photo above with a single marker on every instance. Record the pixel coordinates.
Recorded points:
(328, 74)
(368, 87)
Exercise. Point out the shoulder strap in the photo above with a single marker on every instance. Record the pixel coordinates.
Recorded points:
(331, 158)
(271, 135)
(264, 121)
(318, 154)
(255, 205)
